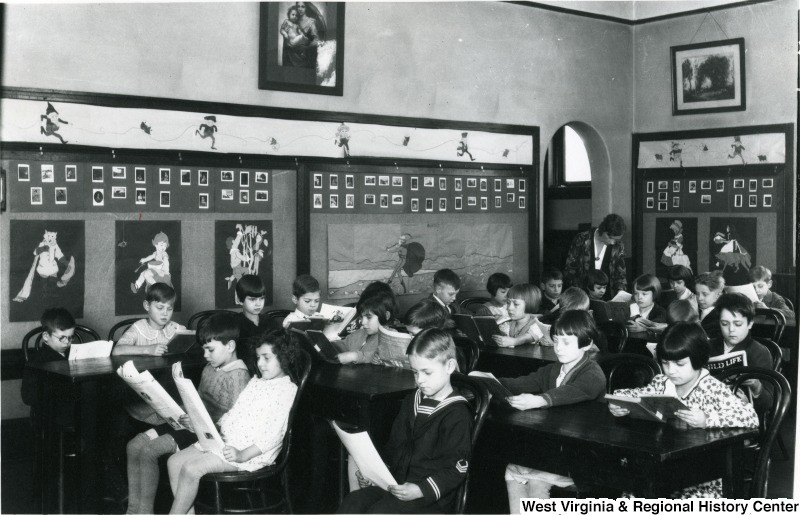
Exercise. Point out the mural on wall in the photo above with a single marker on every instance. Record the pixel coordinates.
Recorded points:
(766, 148)
(47, 267)
(147, 252)
(676, 244)
(111, 127)
(732, 248)
(407, 255)
(240, 248)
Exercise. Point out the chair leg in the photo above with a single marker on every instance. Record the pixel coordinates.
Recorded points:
(217, 497)
(61, 485)
(782, 447)
(286, 493)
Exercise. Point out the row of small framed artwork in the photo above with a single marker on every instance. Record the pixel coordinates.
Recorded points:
(718, 185)
(140, 196)
(48, 175)
(738, 201)
(383, 200)
(396, 181)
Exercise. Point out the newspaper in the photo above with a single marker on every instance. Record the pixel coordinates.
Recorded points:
(363, 451)
(88, 350)
(622, 296)
(152, 392)
(207, 434)
(392, 347)
(748, 290)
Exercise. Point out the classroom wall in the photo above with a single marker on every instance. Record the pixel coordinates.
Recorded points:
(770, 33)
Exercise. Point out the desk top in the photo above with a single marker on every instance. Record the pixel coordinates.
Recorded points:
(590, 423)
(90, 369)
(528, 351)
(363, 381)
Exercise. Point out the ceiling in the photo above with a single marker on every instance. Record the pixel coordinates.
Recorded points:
(636, 10)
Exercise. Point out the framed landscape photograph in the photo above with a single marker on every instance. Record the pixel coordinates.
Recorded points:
(301, 47)
(708, 77)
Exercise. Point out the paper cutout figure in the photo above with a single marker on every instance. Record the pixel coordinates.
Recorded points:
(343, 138)
(52, 123)
(673, 253)
(46, 261)
(246, 252)
(146, 128)
(732, 257)
(676, 153)
(157, 264)
(463, 148)
(736, 148)
(207, 130)
(410, 256)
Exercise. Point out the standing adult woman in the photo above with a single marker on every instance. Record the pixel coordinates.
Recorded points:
(599, 248)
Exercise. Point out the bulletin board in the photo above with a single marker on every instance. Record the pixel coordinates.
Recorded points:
(714, 200)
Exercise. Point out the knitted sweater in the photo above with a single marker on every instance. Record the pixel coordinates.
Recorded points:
(220, 387)
(584, 382)
(362, 343)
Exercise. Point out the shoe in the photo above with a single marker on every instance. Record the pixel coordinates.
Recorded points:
(134, 289)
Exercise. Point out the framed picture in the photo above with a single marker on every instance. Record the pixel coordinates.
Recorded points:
(262, 177)
(139, 175)
(317, 200)
(165, 199)
(397, 180)
(651, 202)
(705, 199)
(244, 196)
(428, 205)
(676, 186)
(720, 185)
(484, 185)
(521, 200)
(227, 176)
(767, 202)
(369, 180)
(119, 192)
(349, 182)
(202, 177)
(498, 184)
(244, 179)
(141, 196)
(738, 183)
(753, 201)
(164, 175)
(472, 183)
(98, 197)
(186, 178)
(414, 183)
(692, 186)
(333, 201)
(226, 194)
(71, 173)
(414, 205)
(457, 186)
(383, 180)
(23, 173)
(397, 200)
(203, 201)
(333, 182)
(708, 77)
(459, 203)
(649, 186)
(766, 183)
(262, 195)
(118, 172)
(36, 196)
(301, 47)
(97, 174)
(369, 199)
(384, 200)
(427, 182)
(498, 202)
(349, 201)
(48, 173)
(737, 201)
(509, 197)
(442, 183)
(442, 204)
(61, 195)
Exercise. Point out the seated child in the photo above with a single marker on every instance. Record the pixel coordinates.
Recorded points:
(497, 286)
(58, 332)
(681, 281)
(761, 278)
(682, 310)
(736, 313)
(360, 345)
(151, 335)
(572, 298)
(375, 288)
(250, 292)
(575, 378)
(552, 284)
(446, 285)
(683, 352)
(221, 382)
(596, 284)
(429, 447)
(252, 430)
(305, 296)
(709, 287)
(523, 301)
(646, 290)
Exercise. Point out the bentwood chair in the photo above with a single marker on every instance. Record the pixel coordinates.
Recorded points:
(627, 370)
(118, 329)
(472, 305)
(253, 486)
(277, 314)
(616, 335)
(32, 341)
(478, 397)
(468, 352)
(769, 323)
(769, 428)
(196, 320)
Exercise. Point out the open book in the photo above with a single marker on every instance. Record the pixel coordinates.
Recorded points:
(181, 342)
(748, 290)
(480, 328)
(649, 407)
(316, 344)
(617, 311)
(88, 350)
(337, 319)
(392, 346)
(207, 434)
(363, 451)
(499, 392)
(719, 364)
(152, 392)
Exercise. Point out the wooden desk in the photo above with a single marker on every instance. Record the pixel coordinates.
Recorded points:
(595, 448)
(515, 361)
(87, 378)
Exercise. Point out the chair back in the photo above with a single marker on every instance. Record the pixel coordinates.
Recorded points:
(789, 303)
(468, 352)
(771, 422)
(198, 318)
(666, 298)
(616, 335)
(120, 327)
(627, 370)
(768, 323)
(277, 314)
(774, 350)
(32, 341)
(478, 397)
(304, 369)
(471, 305)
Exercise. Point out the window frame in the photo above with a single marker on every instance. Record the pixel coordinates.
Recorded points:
(554, 166)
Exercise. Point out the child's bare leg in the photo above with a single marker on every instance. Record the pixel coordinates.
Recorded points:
(186, 468)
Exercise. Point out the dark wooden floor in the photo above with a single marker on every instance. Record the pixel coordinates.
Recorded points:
(17, 471)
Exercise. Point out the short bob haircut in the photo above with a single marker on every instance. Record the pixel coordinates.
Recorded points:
(222, 327)
(528, 293)
(385, 292)
(648, 282)
(379, 305)
(496, 281)
(682, 311)
(552, 274)
(613, 225)
(681, 273)
(304, 284)
(684, 340)
(160, 292)
(760, 273)
(427, 314)
(433, 344)
(736, 303)
(594, 278)
(712, 280)
(574, 298)
(576, 323)
(447, 277)
(286, 349)
(250, 286)
(57, 319)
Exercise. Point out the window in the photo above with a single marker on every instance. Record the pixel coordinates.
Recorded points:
(567, 166)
